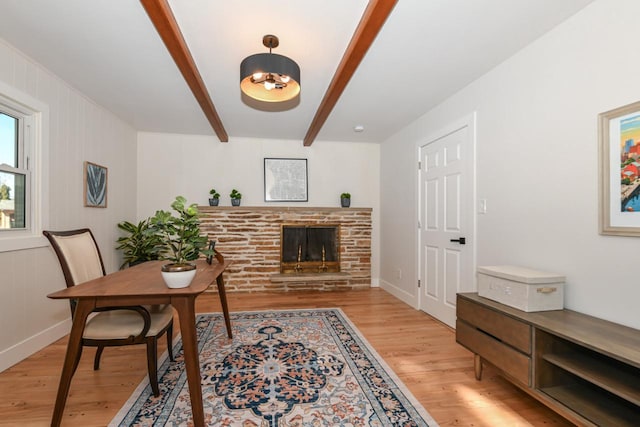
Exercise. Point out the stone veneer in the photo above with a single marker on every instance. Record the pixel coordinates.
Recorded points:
(250, 238)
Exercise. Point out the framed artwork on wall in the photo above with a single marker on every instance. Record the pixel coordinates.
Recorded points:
(95, 185)
(285, 180)
(619, 152)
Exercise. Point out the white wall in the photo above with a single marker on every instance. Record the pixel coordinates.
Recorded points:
(188, 165)
(79, 130)
(537, 162)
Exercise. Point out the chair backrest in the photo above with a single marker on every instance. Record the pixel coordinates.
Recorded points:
(78, 254)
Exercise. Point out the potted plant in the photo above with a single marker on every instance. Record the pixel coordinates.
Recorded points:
(345, 200)
(215, 197)
(139, 245)
(180, 242)
(235, 197)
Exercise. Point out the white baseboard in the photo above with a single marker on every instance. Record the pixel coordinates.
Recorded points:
(26, 348)
(401, 294)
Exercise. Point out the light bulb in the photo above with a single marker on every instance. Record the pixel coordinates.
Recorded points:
(257, 76)
(285, 79)
(269, 85)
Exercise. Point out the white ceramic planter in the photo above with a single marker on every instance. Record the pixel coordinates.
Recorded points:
(179, 277)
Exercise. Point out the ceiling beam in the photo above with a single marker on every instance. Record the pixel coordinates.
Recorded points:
(373, 19)
(162, 18)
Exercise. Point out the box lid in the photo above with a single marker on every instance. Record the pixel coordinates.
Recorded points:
(521, 274)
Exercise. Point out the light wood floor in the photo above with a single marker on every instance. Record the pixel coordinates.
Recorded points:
(421, 351)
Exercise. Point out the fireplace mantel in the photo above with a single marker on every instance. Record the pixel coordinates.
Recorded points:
(281, 208)
(249, 236)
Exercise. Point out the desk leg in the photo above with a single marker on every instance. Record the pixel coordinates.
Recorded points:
(185, 306)
(225, 307)
(74, 347)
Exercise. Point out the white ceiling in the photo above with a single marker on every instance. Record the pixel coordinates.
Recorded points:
(426, 51)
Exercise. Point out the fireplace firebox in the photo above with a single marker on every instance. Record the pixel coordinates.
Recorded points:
(309, 248)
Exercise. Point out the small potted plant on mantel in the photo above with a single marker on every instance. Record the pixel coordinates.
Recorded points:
(215, 197)
(345, 200)
(235, 197)
(180, 242)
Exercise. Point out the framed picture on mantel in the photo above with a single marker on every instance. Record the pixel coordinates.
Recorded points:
(285, 180)
(619, 152)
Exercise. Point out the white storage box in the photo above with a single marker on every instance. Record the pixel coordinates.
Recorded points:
(521, 288)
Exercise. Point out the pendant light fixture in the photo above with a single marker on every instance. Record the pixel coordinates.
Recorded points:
(270, 77)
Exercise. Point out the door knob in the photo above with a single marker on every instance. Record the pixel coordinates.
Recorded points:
(461, 240)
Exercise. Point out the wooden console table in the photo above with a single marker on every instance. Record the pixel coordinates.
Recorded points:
(584, 368)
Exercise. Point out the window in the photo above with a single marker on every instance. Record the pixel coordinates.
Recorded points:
(13, 171)
(23, 169)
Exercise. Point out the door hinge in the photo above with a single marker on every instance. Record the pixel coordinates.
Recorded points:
(418, 282)
(419, 165)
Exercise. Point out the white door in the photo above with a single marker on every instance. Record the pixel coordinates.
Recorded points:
(446, 220)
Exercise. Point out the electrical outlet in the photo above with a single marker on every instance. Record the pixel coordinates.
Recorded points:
(398, 273)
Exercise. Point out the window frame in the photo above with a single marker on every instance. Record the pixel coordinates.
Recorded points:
(22, 161)
(35, 123)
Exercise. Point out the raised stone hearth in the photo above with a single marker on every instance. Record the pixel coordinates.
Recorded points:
(250, 238)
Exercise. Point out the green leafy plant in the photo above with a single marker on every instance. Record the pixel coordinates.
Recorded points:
(214, 194)
(140, 244)
(180, 238)
(345, 196)
(235, 194)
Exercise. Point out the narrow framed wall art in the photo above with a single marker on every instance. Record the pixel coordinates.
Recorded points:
(95, 185)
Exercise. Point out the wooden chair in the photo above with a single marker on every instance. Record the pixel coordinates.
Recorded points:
(81, 261)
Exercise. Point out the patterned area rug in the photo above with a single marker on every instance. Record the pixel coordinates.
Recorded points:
(282, 368)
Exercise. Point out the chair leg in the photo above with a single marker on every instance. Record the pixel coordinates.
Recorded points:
(96, 361)
(152, 364)
(170, 341)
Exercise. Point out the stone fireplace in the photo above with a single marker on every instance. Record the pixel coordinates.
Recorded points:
(251, 238)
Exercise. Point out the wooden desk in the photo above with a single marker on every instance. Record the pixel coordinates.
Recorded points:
(140, 285)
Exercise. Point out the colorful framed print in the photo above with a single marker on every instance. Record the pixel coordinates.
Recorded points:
(619, 152)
